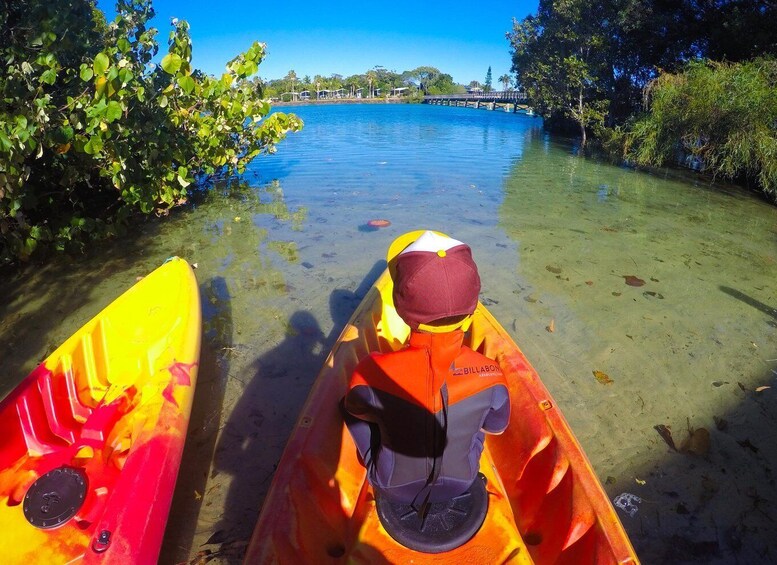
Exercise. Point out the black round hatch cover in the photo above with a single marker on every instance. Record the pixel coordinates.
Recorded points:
(55, 497)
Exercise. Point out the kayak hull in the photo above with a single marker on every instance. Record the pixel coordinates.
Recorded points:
(110, 405)
(546, 504)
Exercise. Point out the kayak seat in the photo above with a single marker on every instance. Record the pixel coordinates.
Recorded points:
(446, 526)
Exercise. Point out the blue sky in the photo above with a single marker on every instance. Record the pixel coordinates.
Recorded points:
(324, 37)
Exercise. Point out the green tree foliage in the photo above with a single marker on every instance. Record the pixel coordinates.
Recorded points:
(291, 80)
(736, 30)
(424, 77)
(560, 56)
(443, 84)
(91, 132)
(487, 84)
(722, 114)
(609, 50)
(430, 80)
(421, 80)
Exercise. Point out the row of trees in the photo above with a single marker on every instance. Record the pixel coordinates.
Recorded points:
(604, 65)
(422, 80)
(93, 133)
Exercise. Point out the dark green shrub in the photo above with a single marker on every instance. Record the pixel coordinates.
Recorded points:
(722, 115)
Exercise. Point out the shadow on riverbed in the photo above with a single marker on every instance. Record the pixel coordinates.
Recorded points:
(750, 301)
(716, 504)
(252, 439)
(255, 434)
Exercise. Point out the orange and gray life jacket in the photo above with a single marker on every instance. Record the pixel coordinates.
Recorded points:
(418, 416)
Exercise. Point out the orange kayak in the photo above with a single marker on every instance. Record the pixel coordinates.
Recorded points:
(546, 504)
(92, 438)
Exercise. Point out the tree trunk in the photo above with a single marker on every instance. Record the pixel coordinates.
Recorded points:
(581, 118)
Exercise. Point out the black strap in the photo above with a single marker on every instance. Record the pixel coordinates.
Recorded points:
(434, 474)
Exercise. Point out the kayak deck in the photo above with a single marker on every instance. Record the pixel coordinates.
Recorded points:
(545, 503)
(97, 430)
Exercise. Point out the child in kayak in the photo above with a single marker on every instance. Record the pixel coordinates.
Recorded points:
(418, 415)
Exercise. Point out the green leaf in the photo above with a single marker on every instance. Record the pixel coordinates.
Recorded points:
(125, 76)
(49, 76)
(101, 63)
(186, 83)
(29, 246)
(113, 111)
(86, 73)
(63, 134)
(163, 101)
(171, 63)
(5, 143)
(123, 44)
(94, 145)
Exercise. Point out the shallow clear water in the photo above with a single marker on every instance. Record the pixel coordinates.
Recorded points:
(281, 267)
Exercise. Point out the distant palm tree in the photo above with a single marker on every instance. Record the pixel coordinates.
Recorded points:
(371, 76)
(292, 77)
(505, 80)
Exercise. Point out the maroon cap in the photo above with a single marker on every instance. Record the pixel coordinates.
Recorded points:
(435, 277)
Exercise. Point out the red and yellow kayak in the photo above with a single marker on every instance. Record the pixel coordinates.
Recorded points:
(546, 504)
(92, 438)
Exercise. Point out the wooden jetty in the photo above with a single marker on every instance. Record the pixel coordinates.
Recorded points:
(505, 100)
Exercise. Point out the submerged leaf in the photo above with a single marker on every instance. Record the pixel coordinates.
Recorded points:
(697, 442)
(633, 280)
(666, 435)
(602, 377)
(379, 223)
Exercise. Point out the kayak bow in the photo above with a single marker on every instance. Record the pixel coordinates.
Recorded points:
(93, 437)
